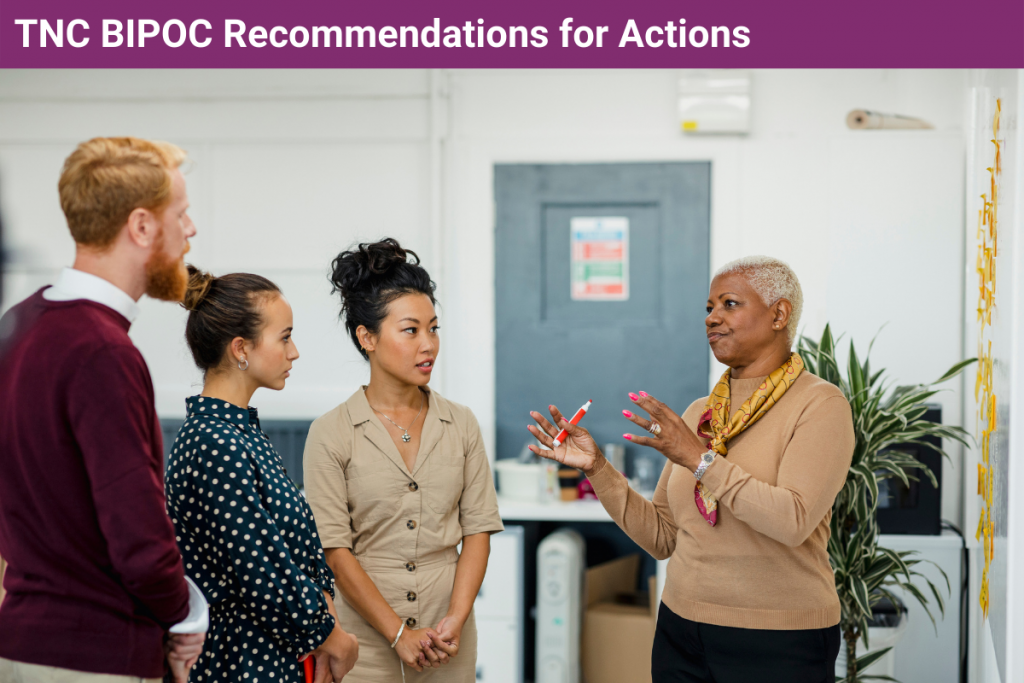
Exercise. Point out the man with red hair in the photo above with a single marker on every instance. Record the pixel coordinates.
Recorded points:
(94, 577)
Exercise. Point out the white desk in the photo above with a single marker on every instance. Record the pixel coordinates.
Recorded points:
(575, 511)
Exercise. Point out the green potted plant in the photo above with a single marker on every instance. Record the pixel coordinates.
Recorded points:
(884, 419)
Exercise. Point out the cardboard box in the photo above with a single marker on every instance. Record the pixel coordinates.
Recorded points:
(617, 638)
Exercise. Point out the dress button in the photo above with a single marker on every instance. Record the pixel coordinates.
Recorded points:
(411, 566)
(413, 486)
(410, 596)
(411, 622)
(411, 524)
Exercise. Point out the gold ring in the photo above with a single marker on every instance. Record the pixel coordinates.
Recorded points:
(655, 428)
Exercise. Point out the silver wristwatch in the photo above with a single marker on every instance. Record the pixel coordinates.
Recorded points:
(706, 459)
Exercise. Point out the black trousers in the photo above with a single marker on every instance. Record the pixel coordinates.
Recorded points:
(688, 652)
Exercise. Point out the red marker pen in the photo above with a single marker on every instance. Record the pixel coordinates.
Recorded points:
(574, 421)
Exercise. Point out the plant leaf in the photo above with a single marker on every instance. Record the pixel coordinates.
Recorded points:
(855, 375)
(955, 370)
(864, 661)
(860, 593)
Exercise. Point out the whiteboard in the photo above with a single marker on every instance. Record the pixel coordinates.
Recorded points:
(990, 90)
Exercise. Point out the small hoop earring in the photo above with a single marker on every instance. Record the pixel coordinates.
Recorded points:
(243, 367)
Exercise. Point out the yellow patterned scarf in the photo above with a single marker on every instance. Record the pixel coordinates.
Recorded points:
(716, 426)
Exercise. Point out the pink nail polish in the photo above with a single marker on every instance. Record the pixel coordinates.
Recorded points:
(644, 394)
(627, 436)
(634, 397)
(627, 413)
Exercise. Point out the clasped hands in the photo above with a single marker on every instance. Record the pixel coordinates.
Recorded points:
(675, 441)
(430, 647)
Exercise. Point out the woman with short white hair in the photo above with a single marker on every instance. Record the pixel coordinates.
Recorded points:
(743, 506)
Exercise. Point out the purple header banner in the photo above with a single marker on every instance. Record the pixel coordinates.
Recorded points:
(523, 33)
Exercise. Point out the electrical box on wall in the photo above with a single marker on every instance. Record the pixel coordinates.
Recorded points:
(714, 101)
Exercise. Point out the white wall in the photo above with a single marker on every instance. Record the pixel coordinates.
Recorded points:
(289, 167)
(872, 222)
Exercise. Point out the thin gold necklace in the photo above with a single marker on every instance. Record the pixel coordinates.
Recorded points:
(405, 437)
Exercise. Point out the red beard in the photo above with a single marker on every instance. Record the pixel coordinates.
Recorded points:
(166, 277)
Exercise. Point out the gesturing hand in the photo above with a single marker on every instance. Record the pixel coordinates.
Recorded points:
(579, 449)
(675, 441)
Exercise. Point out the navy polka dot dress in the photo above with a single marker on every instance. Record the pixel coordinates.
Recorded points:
(249, 542)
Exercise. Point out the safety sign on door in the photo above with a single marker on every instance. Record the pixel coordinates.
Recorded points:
(600, 258)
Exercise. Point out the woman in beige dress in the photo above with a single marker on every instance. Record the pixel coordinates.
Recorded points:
(397, 477)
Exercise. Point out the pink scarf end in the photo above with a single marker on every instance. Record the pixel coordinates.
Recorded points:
(710, 517)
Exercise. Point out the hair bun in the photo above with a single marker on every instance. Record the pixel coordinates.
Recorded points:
(368, 261)
(199, 283)
(382, 256)
(370, 277)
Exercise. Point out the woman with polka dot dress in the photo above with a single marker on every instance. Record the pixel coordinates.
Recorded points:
(246, 534)
(397, 477)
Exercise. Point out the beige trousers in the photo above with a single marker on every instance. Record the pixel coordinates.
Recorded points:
(20, 672)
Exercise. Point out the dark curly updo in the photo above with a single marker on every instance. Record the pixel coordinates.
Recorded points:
(371, 276)
(220, 309)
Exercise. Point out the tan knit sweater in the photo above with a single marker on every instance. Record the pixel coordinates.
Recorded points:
(765, 564)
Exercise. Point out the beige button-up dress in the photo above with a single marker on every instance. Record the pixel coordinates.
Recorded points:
(402, 527)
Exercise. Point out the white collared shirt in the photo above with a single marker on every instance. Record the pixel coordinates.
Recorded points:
(76, 284)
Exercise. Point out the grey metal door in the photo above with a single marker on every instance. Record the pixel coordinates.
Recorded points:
(601, 283)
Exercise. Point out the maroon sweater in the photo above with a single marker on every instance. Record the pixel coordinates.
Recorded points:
(94, 575)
